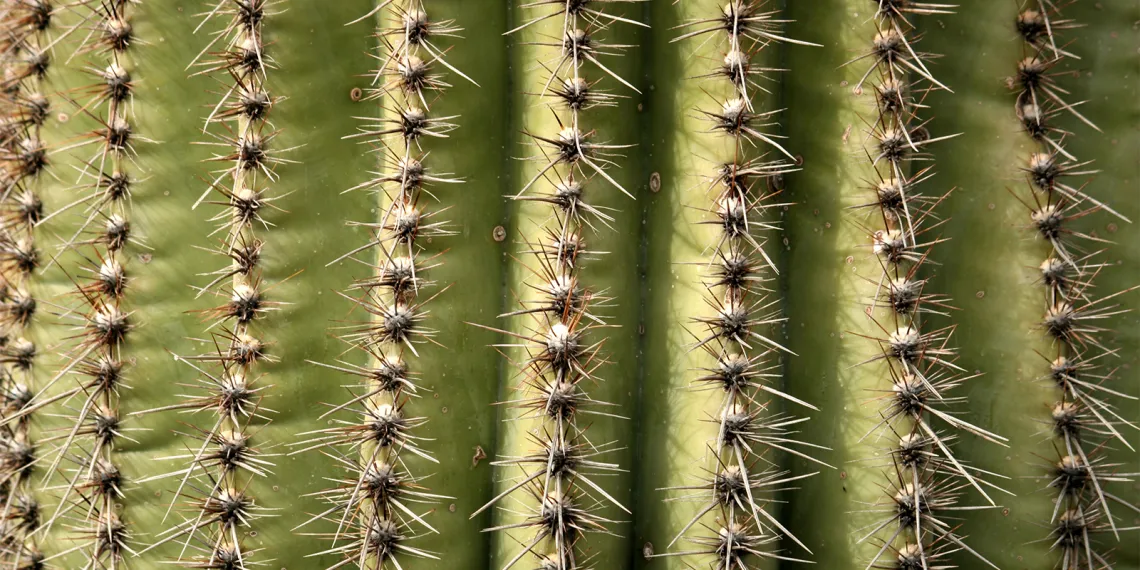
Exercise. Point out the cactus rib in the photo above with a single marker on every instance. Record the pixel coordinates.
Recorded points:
(215, 475)
(1083, 420)
(553, 480)
(374, 508)
(743, 474)
(927, 479)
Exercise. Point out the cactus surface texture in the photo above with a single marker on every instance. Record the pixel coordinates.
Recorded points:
(570, 284)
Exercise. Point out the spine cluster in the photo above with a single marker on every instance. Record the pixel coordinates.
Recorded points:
(378, 506)
(916, 527)
(27, 29)
(741, 475)
(553, 489)
(1084, 421)
(214, 477)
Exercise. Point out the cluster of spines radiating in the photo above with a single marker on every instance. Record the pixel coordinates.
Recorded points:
(555, 488)
(379, 506)
(28, 29)
(734, 525)
(210, 483)
(1084, 423)
(914, 524)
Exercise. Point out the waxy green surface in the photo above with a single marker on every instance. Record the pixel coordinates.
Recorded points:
(823, 256)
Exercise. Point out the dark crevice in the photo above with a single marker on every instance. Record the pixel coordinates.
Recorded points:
(508, 179)
(785, 499)
(810, 262)
(647, 157)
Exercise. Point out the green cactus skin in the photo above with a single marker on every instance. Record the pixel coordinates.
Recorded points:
(821, 286)
(647, 271)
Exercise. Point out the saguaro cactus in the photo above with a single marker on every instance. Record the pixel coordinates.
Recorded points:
(568, 284)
